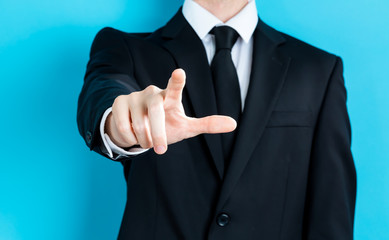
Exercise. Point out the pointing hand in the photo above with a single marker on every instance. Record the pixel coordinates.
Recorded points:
(155, 118)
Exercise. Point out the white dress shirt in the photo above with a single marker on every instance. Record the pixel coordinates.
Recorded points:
(202, 21)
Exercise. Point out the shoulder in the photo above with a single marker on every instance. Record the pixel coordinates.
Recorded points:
(109, 32)
(111, 37)
(309, 65)
(305, 56)
(308, 55)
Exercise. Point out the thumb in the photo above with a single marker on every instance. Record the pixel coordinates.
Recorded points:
(212, 124)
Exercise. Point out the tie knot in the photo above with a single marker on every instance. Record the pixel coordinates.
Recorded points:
(225, 37)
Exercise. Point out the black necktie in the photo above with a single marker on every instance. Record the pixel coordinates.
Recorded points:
(226, 83)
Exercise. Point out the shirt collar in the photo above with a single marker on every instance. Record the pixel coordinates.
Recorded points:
(202, 21)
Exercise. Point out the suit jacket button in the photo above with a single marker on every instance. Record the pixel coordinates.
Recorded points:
(223, 219)
(88, 137)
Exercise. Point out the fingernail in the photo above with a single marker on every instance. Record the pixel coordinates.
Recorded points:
(160, 149)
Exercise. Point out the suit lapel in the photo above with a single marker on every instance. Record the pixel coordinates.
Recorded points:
(189, 53)
(268, 72)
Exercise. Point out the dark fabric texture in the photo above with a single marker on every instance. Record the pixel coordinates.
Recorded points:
(291, 174)
(226, 84)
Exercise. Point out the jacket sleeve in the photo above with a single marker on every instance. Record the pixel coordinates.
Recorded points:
(331, 192)
(109, 74)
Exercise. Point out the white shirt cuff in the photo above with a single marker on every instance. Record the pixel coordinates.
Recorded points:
(112, 147)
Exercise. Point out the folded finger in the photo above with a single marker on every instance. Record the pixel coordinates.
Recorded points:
(156, 115)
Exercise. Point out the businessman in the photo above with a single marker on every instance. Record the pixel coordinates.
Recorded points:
(226, 128)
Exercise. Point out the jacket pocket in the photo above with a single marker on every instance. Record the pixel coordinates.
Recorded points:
(290, 119)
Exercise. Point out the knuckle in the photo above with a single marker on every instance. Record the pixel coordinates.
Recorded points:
(132, 141)
(145, 144)
(151, 89)
(139, 128)
(132, 96)
(154, 104)
(117, 100)
(122, 127)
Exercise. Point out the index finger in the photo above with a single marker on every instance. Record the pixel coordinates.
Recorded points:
(176, 85)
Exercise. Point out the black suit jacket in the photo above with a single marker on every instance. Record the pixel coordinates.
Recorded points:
(291, 174)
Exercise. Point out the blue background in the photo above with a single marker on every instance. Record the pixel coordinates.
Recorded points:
(53, 187)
